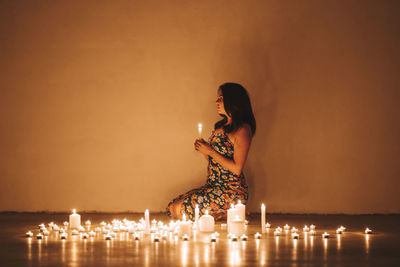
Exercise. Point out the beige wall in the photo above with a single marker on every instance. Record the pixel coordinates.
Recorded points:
(99, 101)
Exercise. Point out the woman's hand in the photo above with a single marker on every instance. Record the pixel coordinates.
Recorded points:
(203, 147)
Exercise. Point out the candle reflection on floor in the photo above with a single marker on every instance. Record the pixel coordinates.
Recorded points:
(339, 241)
(294, 250)
(367, 237)
(29, 242)
(234, 253)
(276, 247)
(325, 248)
(184, 253)
(39, 250)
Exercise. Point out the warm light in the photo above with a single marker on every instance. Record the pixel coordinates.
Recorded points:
(200, 127)
(74, 211)
(206, 212)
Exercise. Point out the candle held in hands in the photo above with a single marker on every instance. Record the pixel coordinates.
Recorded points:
(200, 128)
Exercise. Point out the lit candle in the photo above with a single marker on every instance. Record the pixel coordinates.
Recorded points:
(29, 234)
(74, 220)
(147, 222)
(206, 223)
(196, 216)
(257, 235)
(92, 234)
(325, 235)
(312, 232)
(286, 227)
(185, 227)
(64, 235)
(368, 231)
(243, 237)
(200, 128)
(213, 238)
(85, 236)
(277, 233)
(294, 230)
(185, 237)
(234, 237)
(312, 227)
(231, 216)
(339, 231)
(295, 235)
(108, 237)
(237, 226)
(306, 228)
(88, 223)
(156, 238)
(39, 236)
(74, 232)
(262, 218)
(241, 210)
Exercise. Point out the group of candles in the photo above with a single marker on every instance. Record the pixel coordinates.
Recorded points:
(236, 227)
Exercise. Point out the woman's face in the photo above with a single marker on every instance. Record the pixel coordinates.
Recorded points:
(220, 103)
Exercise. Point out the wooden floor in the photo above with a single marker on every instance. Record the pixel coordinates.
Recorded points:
(353, 248)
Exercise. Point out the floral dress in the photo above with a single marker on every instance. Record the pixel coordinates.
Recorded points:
(222, 189)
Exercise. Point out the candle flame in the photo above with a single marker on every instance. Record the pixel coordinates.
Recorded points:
(206, 212)
(74, 211)
(262, 206)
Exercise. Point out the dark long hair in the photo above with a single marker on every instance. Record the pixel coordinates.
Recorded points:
(237, 105)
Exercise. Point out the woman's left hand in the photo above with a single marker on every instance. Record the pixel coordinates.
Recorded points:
(203, 147)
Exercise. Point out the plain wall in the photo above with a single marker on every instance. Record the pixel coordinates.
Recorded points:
(100, 100)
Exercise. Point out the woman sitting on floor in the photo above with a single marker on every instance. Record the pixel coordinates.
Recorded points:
(226, 152)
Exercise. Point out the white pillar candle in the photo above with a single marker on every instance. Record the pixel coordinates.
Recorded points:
(262, 218)
(237, 226)
(196, 216)
(185, 227)
(147, 222)
(200, 128)
(241, 210)
(74, 220)
(231, 215)
(206, 223)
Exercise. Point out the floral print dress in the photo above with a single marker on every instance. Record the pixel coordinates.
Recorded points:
(222, 189)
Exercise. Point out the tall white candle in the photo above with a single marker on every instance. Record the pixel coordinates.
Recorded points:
(147, 222)
(241, 210)
(262, 218)
(206, 223)
(74, 220)
(196, 216)
(200, 128)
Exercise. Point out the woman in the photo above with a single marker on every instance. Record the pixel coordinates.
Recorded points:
(226, 152)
